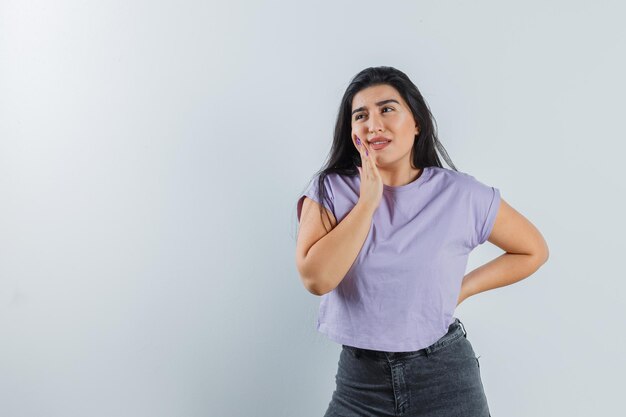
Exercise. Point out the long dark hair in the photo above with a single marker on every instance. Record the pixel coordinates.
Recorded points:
(343, 158)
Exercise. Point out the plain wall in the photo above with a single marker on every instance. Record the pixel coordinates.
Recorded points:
(151, 157)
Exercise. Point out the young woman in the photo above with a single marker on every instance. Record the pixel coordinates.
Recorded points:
(384, 237)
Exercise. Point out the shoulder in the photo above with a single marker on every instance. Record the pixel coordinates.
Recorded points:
(335, 181)
(449, 173)
(448, 176)
(336, 178)
(463, 184)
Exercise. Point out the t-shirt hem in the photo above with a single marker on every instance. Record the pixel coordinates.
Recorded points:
(346, 340)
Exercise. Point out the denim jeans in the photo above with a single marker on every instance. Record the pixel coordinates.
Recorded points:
(442, 379)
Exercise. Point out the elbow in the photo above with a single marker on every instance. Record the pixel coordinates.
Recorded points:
(310, 278)
(314, 290)
(540, 253)
(314, 287)
(546, 257)
(540, 256)
(311, 284)
(544, 253)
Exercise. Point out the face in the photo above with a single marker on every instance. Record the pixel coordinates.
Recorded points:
(380, 111)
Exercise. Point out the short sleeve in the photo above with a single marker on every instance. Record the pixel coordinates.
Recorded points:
(311, 192)
(484, 204)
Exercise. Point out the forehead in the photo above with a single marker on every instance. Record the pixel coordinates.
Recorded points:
(370, 95)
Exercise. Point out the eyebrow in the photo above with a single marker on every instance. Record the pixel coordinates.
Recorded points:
(380, 103)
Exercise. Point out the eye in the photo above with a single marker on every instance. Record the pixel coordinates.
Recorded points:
(386, 107)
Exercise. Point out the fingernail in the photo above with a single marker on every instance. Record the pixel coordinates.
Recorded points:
(358, 141)
(367, 153)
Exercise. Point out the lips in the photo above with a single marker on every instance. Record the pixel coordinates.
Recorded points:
(377, 139)
(379, 146)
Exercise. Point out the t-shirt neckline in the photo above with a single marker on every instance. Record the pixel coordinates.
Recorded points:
(426, 171)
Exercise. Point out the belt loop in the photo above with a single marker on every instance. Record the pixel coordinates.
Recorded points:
(463, 327)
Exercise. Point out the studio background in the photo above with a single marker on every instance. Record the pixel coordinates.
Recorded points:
(151, 157)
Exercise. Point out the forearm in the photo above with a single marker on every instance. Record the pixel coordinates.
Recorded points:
(330, 258)
(504, 270)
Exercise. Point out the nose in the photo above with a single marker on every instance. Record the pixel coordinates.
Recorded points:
(376, 123)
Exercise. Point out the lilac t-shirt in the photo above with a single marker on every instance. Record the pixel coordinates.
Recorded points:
(400, 293)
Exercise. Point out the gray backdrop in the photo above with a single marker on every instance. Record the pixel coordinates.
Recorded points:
(152, 152)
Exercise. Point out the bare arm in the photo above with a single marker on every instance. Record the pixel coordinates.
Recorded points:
(323, 259)
(525, 251)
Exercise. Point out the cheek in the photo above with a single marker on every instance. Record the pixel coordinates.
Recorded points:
(407, 146)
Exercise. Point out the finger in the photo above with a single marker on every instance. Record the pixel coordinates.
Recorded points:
(371, 163)
(365, 158)
(364, 166)
(361, 149)
(359, 145)
(368, 152)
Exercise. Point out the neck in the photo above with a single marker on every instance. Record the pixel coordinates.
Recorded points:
(399, 177)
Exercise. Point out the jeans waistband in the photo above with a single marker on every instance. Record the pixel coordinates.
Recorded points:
(455, 330)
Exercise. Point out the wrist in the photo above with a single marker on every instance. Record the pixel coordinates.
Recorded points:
(360, 205)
